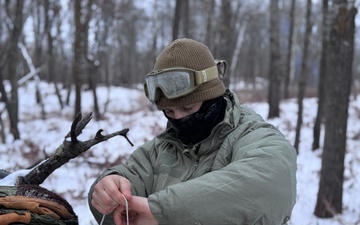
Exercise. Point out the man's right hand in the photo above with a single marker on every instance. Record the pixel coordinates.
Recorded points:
(107, 194)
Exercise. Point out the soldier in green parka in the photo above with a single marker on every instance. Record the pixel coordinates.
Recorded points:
(217, 162)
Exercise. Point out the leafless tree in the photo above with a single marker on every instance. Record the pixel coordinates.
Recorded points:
(275, 60)
(322, 77)
(78, 53)
(289, 70)
(52, 9)
(92, 65)
(340, 58)
(176, 21)
(121, 41)
(11, 56)
(210, 24)
(304, 74)
(186, 19)
(225, 47)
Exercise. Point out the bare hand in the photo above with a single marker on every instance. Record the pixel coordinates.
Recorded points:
(139, 213)
(107, 195)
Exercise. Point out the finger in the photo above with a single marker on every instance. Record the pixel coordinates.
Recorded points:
(118, 215)
(103, 197)
(125, 188)
(114, 188)
(101, 204)
(131, 214)
(106, 195)
(101, 208)
(115, 195)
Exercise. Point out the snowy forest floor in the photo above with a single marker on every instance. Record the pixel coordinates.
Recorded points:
(128, 108)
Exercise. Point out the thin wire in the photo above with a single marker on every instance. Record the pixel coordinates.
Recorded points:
(102, 219)
(127, 212)
(127, 209)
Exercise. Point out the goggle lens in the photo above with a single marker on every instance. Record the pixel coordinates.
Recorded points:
(176, 82)
(172, 84)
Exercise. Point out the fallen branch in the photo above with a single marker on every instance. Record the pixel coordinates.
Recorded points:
(69, 149)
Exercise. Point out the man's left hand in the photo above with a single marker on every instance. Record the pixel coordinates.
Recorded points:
(139, 213)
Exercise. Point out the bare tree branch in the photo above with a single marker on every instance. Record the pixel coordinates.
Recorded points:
(69, 149)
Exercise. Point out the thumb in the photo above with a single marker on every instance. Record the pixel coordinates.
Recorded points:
(139, 204)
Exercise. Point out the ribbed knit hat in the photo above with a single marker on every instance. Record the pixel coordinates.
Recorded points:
(193, 55)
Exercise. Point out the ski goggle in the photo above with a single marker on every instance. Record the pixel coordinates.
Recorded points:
(176, 82)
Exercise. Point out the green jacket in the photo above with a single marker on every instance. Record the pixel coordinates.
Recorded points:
(243, 173)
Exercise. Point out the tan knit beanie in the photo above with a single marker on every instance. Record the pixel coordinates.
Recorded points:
(193, 55)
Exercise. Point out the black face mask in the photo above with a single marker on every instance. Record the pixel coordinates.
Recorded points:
(197, 126)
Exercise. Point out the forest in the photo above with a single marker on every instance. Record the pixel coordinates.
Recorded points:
(290, 48)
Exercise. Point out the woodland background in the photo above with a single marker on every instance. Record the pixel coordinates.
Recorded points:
(292, 48)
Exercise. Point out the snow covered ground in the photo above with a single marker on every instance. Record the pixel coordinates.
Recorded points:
(128, 108)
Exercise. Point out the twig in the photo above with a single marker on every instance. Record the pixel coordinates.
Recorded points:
(69, 149)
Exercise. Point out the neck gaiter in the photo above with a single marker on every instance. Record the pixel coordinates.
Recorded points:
(197, 126)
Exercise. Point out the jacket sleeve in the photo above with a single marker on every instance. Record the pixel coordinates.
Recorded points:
(257, 186)
(138, 170)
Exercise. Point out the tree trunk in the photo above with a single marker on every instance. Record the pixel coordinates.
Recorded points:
(289, 65)
(77, 70)
(12, 103)
(177, 18)
(186, 18)
(275, 60)
(304, 74)
(92, 65)
(322, 78)
(239, 42)
(209, 37)
(225, 45)
(33, 70)
(38, 36)
(341, 45)
(2, 127)
(50, 42)
(93, 71)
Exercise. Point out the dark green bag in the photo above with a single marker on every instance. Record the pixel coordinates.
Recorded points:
(40, 194)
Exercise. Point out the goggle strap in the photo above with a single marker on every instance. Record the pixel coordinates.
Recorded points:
(206, 75)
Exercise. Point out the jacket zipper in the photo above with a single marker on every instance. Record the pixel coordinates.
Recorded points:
(195, 165)
(192, 171)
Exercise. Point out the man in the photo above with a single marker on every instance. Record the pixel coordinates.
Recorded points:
(217, 162)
